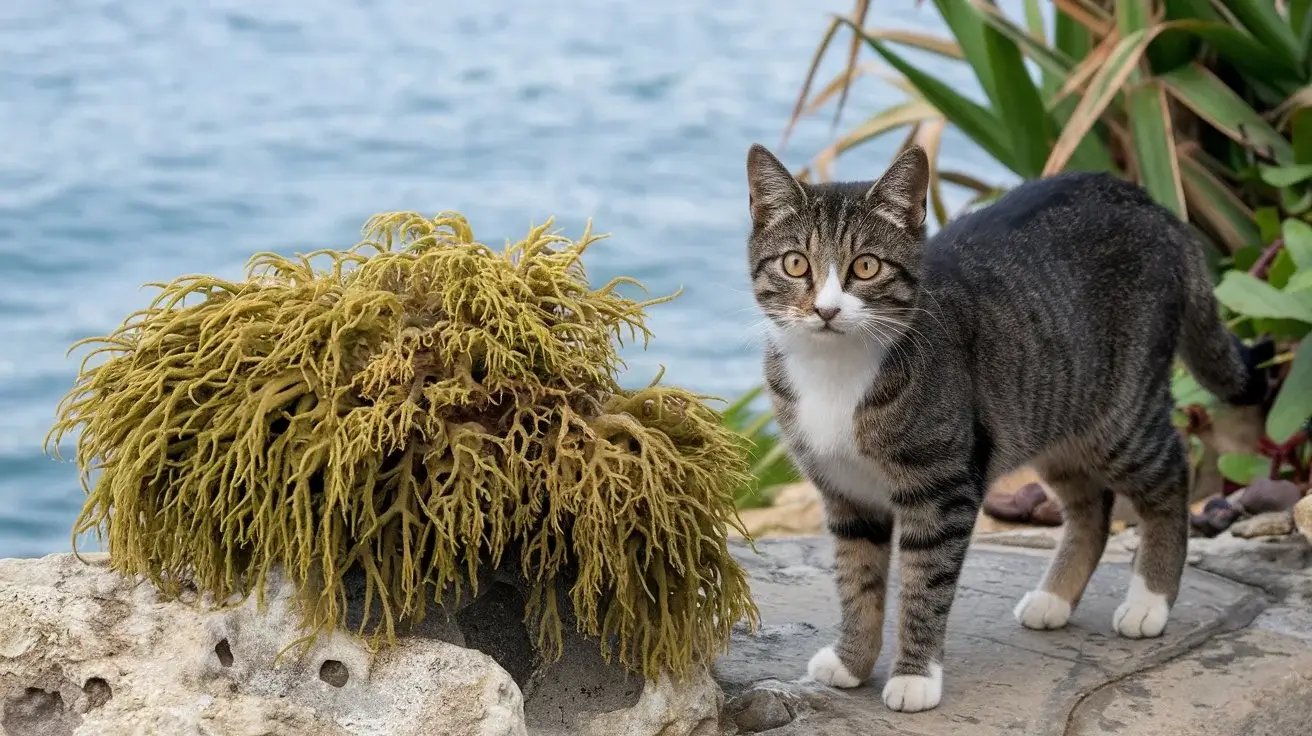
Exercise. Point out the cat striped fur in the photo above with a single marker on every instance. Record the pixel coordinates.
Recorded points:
(908, 374)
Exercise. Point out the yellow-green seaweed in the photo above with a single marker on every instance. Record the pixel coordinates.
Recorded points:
(415, 412)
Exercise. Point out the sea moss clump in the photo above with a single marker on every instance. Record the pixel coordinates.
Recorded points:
(417, 410)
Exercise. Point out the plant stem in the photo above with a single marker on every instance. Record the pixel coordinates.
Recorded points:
(1263, 264)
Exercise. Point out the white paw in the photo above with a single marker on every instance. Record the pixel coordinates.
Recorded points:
(1042, 610)
(913, 693)
(1143, 614)
(827, 669)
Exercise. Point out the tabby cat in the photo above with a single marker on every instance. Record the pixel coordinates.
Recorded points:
(908, 374)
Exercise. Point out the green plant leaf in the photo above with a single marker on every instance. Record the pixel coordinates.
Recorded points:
(1264, 22)
(1154, 146)
(1187, 391)
(1268, 223)
(1252, 297)
(1245, 257)
(1282, 269)
(1299, 120)
(1174, 48)
(1197, 9)
(1052, 61)
(1243, 468)
(736, 415)
(1092, 153)
(967, 28)
(996, 59)
(1071, 38)
(1300, 19)
(1259, 63)
(1293, 404)
(1034, 21)
(1285, 176)
(1296, 203)
(1019, 105)
(1102, 88)
(1298, 242)
(1212, 202)
(1210, 98)
(978, 123)
(1301, 281)
(1132, 15)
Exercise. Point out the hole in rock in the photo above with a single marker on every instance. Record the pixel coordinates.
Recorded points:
(224, 652)
(334, 673)
(37, 712)
(494, 625)
(98, 692)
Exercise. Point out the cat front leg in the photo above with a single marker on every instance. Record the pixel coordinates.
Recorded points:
(862, 548)
(934, 533)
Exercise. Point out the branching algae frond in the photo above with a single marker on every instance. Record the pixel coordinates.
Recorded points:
(414, 412)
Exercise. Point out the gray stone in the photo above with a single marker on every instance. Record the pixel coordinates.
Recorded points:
(1003, 679)
(1269, 524)
(761, 709)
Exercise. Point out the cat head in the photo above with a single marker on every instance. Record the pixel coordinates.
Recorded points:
(837, 261)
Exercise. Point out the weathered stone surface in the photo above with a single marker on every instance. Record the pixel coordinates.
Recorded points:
(1001, 678)
(761, 708)
(1248, 682)
(84, 651)
(1303, 517)
(689, 708)
(1269, 524)
(97, 654)
(796, 511)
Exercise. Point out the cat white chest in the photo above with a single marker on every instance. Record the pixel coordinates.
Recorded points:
(829, 384)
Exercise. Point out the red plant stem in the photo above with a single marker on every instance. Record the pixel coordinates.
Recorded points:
(1285, 453)
(1263, 264)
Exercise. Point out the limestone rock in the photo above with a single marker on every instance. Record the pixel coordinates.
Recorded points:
(667, 707)
(85, 651)
(1303, 517)
(1269, 524)
(796, 511)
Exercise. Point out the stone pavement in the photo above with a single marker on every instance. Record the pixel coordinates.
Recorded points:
(1235, 659)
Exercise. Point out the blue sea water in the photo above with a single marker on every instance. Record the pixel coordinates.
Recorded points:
(144, 140)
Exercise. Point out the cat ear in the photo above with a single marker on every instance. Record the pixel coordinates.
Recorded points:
(899, 195)
(773, 192)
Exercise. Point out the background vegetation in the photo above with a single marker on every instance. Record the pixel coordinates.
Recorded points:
(1205, 103)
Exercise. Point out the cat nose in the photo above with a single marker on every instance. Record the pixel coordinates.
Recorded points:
(827, 313)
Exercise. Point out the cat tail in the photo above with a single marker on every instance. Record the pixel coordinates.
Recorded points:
(1220, 361)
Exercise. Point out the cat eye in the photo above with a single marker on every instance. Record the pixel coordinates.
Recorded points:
(795, 264)
(865, 267)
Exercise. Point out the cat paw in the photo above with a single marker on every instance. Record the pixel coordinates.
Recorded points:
(827, 669)
(1143, 615)
(1042, 610)
(914, 693)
